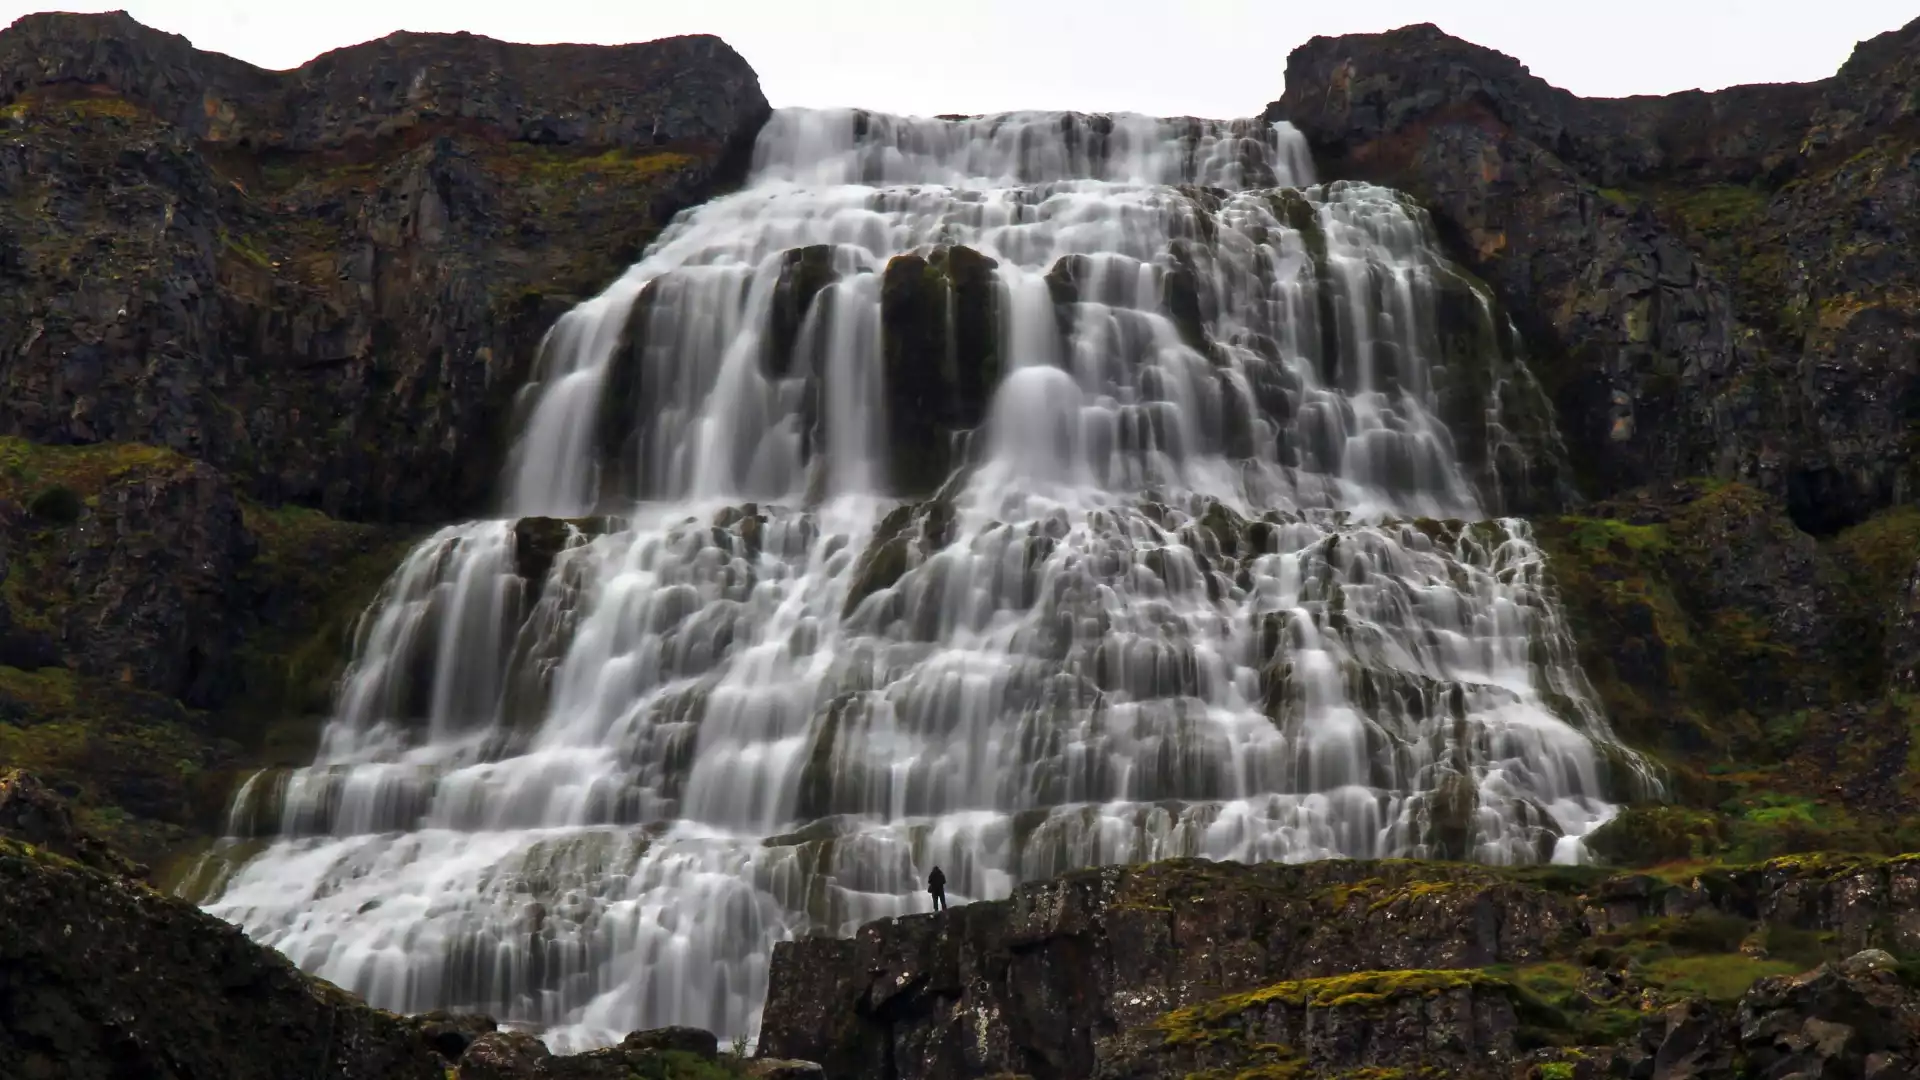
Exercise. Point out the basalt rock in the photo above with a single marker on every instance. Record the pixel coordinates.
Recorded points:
(1715, 284)
(32, 814)
(327, 283)
(1714, 631)
(940, 330)
(165, 631)
(86, 951)
(84, 956)
(1178, 968)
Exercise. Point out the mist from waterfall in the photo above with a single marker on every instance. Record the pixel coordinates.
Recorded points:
(1212, 577)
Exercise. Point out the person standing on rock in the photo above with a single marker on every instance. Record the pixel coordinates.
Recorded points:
(937, 888)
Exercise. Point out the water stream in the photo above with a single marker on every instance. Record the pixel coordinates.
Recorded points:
(1210, 577)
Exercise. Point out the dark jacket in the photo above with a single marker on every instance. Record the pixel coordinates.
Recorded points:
(936, 881)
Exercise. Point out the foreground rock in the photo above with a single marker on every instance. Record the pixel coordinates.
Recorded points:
(1716, 284)
(327, 283)
(100, 977)
(1185, 968)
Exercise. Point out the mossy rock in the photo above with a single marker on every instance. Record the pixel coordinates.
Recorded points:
(804, 274)
(1645, 835)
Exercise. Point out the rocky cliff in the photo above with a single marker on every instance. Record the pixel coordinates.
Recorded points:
(248, 321)
(1720, 294)
(327, 283)
(1717, 284)
(1377, 970)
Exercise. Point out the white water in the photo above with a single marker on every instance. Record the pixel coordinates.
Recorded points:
(598, 811)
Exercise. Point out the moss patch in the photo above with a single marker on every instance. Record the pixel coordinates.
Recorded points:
(315, 575)
(1208, 1021)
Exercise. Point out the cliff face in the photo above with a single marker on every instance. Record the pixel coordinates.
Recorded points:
(1182, 968)
(327, 283)
(1720, 284)
(248, 316)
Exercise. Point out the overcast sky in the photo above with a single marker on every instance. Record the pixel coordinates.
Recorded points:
(1217, 58)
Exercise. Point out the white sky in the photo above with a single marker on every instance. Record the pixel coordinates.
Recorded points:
(1216, 58)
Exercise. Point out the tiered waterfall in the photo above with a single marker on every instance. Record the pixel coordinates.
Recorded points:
(1011, 494)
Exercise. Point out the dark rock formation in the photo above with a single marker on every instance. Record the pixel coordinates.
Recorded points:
(1185, 968)
(327, 283)
(939, 319)
(1717, 633)
(85, 958)
(161, 592)
(32, 814)
(1716, 284)
(227, 292)
(103, 979)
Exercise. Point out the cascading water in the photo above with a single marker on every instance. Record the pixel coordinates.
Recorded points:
(1210, 576)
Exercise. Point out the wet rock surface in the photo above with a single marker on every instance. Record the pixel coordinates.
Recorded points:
(1716, 284)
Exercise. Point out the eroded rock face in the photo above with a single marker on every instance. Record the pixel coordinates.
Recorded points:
(327, 283)
(1719, 284)
(1178, 968)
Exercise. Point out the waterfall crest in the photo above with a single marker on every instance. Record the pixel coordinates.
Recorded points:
(1011, 494)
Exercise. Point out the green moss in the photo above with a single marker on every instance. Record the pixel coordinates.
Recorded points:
(683, 1065)
(27, 467)
(1415, 891)
(48, 690)
(1882, 550)
(1556, 1070)
(141, 770)
(325, 573)
(1643, 835)
(1722, 977)
(565, 165)
(68, 108)
(248, 248)
(1204, 1022)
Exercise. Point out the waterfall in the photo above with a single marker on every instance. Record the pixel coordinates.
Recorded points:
(1188, 545)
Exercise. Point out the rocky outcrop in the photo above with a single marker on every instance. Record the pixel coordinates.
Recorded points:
(86, 952)
(939, 321)
(32, 814)
(83, 957)
(239, 311)
(1186, 968)
(1715, 284)
(1764, 666)
(327, 283)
